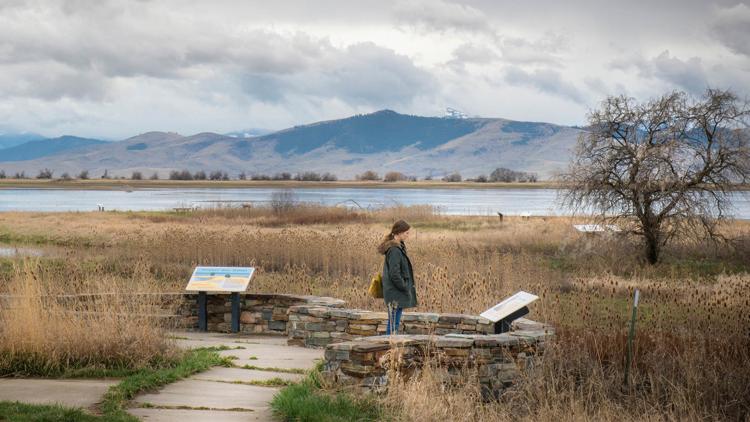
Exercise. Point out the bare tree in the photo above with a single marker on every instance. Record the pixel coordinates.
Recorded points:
(283, 201)
(453, 177)
(661, 168)
(45, 174)
(368, 175)
(394, 176)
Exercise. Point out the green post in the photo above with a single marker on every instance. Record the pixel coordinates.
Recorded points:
(629, 355)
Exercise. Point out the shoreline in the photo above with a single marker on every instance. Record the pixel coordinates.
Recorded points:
(121, 184)
(127, 184)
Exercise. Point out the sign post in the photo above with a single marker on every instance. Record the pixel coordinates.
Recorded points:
(219, 280)
(507, 311)
(631, 334)
(202, 313)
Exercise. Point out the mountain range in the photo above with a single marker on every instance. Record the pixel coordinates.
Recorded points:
(381, 141)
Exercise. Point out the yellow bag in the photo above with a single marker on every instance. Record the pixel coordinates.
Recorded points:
(376, 286)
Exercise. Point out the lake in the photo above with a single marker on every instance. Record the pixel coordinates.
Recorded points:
(459, 201)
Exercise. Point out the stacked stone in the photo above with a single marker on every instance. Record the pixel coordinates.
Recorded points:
(497, 358)
(259, 313)
(317, 326)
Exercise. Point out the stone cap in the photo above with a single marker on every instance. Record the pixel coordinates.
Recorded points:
(455, 341)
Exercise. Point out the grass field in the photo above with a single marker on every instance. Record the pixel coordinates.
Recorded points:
(692, 345)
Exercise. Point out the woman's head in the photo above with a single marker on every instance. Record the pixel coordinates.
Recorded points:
(400, 230)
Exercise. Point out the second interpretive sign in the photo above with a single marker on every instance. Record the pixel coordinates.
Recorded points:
(508, 306)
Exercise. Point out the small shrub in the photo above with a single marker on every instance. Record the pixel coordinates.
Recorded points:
(83, 175)
(180, 175)
(308, 176)
(136, 176)
(329, 177)
(199, 175)
(65, 176)
(283, 201)
(282, 176)
(45, 174)
(242, 176)
(502, 174)
(218, 175)
(154, 176)
(2, 174)
(394, 176)
(453, 177)
(368, 175)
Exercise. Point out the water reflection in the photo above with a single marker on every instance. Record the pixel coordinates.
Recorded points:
(11, 252)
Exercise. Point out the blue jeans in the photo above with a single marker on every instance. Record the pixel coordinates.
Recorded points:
(394, 319)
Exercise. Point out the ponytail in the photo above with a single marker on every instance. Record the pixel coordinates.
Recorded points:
(399, 226)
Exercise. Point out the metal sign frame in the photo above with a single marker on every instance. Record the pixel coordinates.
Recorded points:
(231, 280)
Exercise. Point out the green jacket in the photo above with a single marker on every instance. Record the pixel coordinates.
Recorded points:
(398, 276)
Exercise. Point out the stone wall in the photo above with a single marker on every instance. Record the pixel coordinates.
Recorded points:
(259, 313)
(317, 326)
(357, 354)
(496, 358)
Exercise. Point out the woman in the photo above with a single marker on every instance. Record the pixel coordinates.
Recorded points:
(398, 277)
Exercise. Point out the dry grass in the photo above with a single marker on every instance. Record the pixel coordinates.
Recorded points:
(693, 329)
(52, 327)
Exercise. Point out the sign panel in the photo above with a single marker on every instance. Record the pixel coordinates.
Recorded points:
(220, 279)
(508, 306)
(595, 228)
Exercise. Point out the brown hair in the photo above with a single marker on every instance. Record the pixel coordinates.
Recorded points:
(399, 226)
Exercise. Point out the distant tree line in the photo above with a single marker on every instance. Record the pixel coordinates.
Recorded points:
(500, 174)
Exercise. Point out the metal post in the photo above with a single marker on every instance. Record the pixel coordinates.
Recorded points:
(235, 312)
(202, 312)
(629, 356)
(503, 326)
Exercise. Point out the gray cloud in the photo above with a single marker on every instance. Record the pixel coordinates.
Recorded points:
(545, 80)
(688, 75)
(53, 82)
(732, 27)
(471, 53)
(440, 15)
(122, 65)
(360, 74)
(544, 50)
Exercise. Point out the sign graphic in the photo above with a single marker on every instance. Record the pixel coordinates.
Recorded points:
(220, 279)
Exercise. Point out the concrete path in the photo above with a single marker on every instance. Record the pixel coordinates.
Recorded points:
(71, 393)
(227, 394)
(219, 394)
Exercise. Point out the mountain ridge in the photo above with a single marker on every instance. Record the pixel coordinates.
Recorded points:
(381, 141)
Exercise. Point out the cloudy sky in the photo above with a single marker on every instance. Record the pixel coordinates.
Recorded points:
(118, 68)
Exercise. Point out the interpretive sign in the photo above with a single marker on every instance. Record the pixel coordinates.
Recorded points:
(509, 306)
(220, 279)
(596, 228)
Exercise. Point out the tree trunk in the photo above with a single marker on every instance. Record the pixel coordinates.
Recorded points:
(652, 246)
